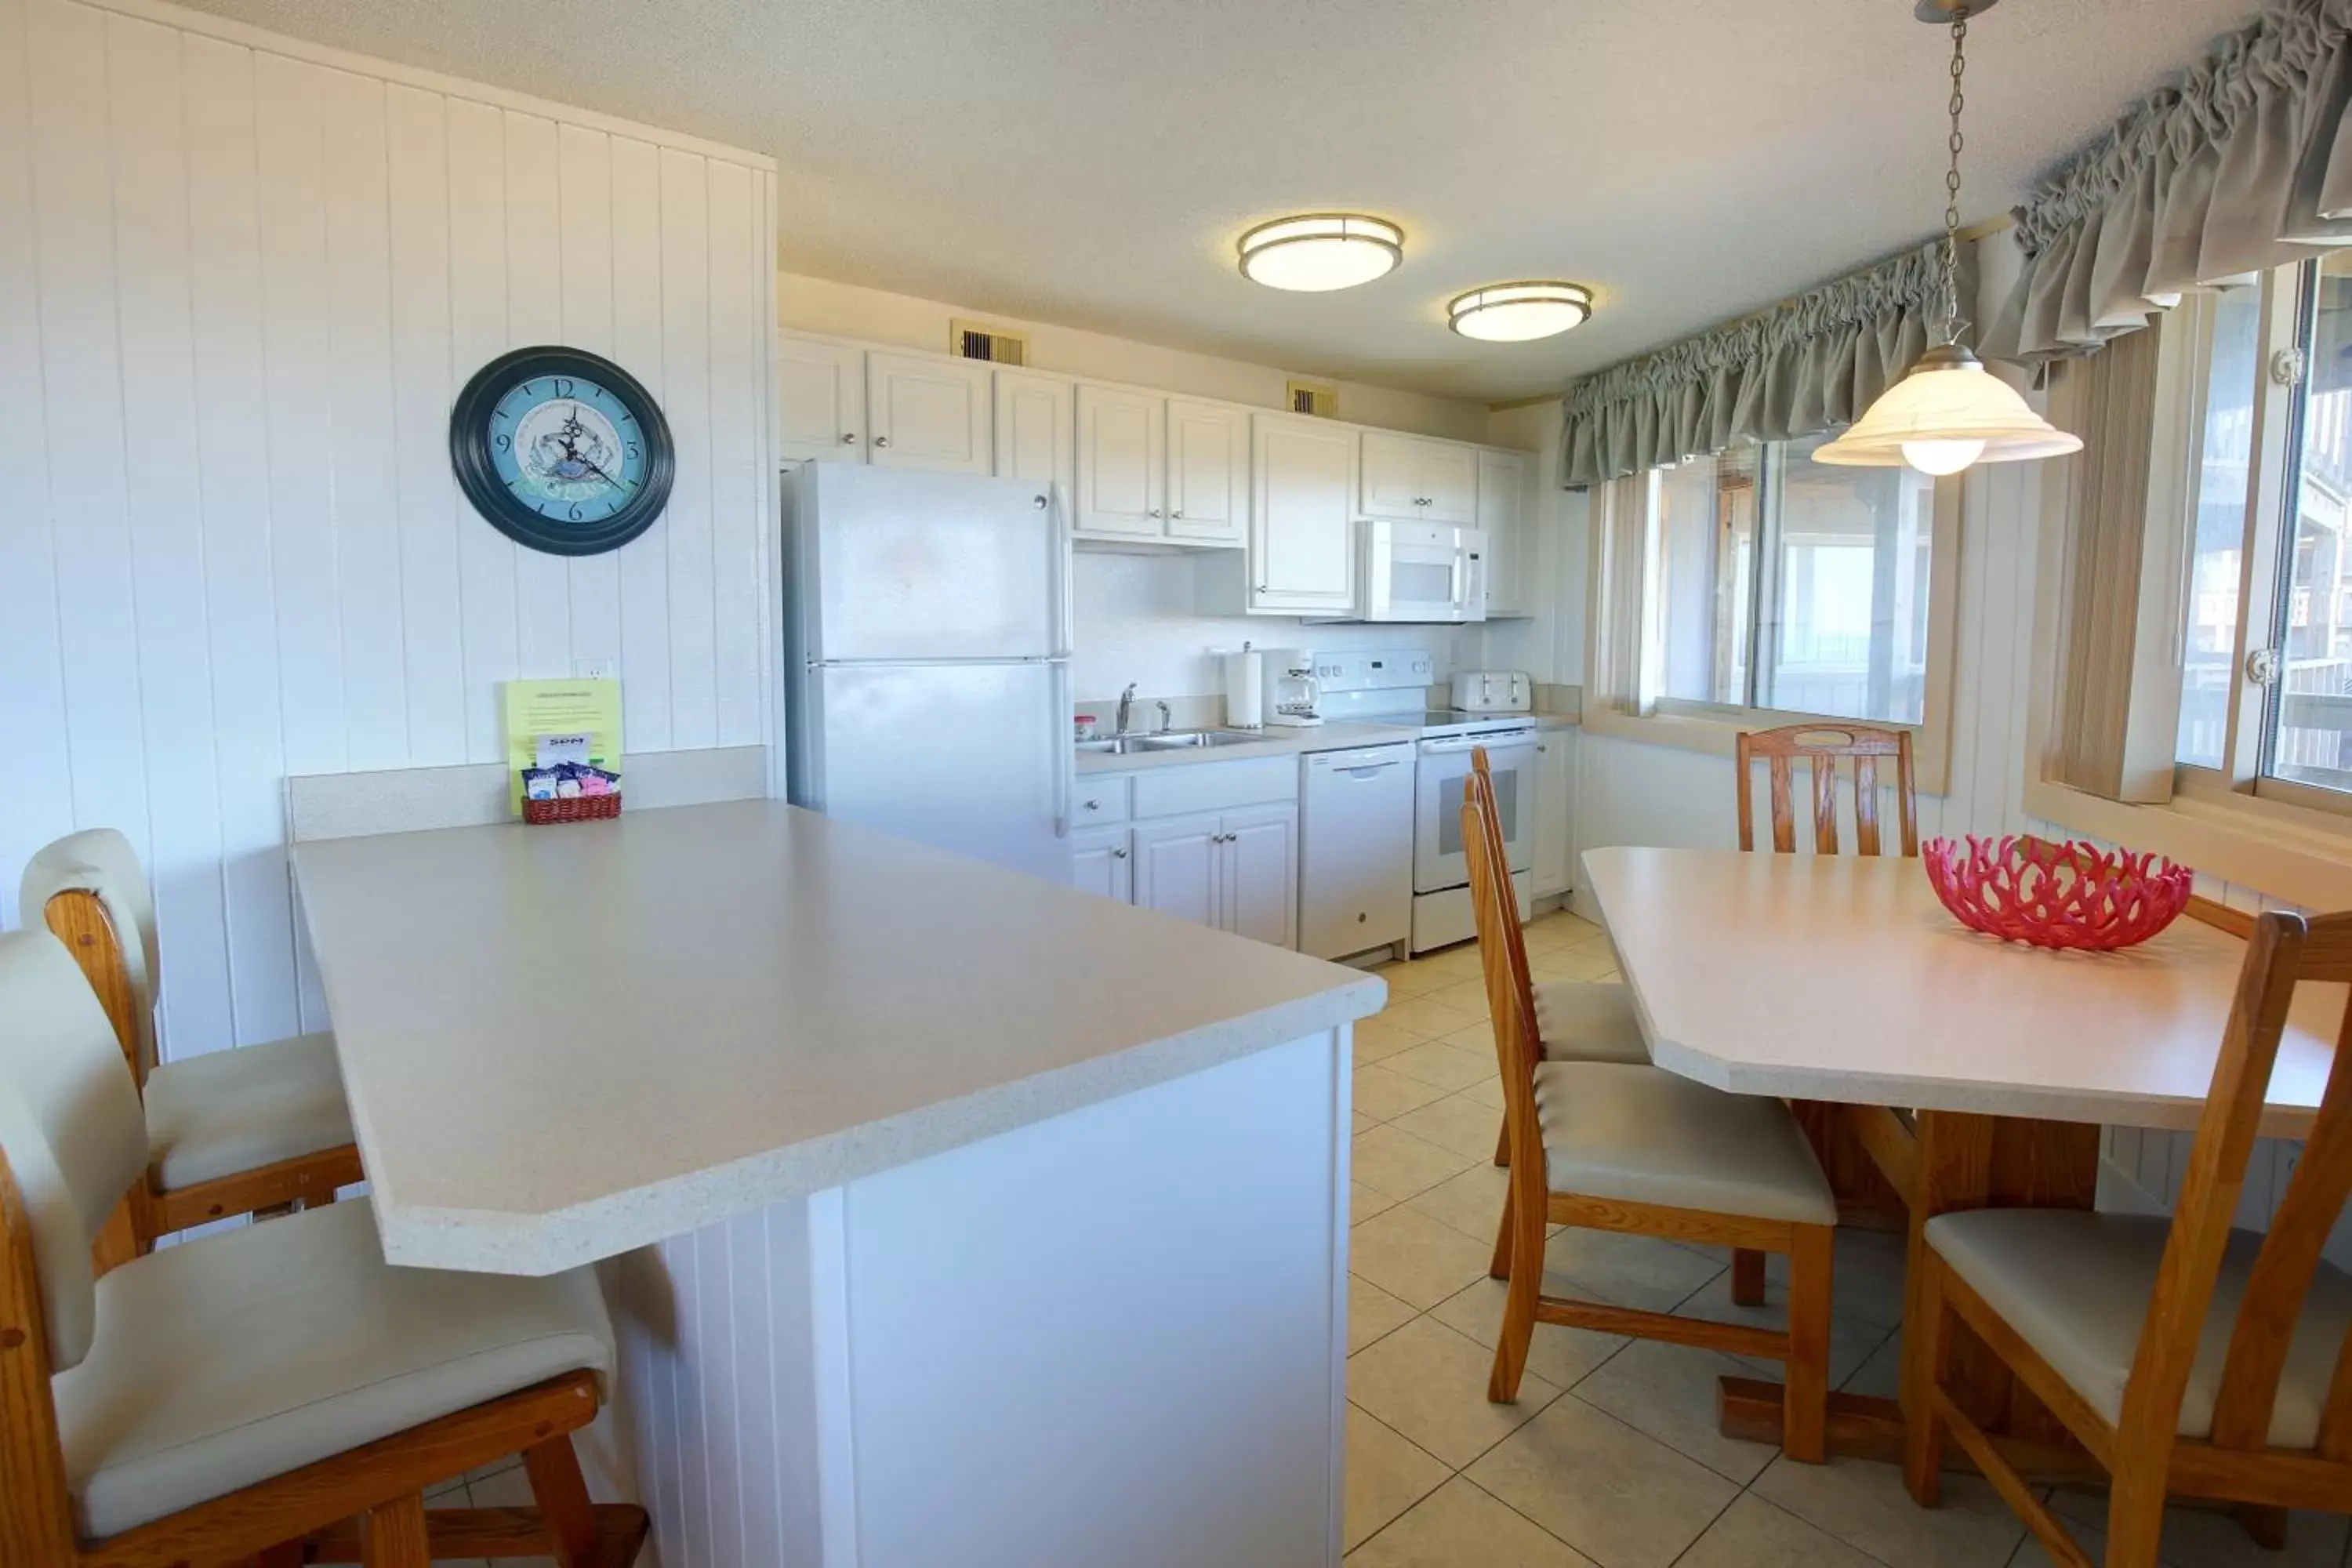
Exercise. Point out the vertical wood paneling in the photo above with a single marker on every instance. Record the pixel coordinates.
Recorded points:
(478, 335)
(637, 348)
(685, 380)
(719, 1370)
(584, 158)
(751, 1313)
(738, 368)
(535, 262)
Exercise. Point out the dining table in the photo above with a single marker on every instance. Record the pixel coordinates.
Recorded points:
(1950, 1070)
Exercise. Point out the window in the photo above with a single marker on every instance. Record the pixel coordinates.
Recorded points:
(2267, 657)
(1793, 586)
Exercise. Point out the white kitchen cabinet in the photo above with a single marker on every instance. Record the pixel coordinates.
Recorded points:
(1208, 471)
(820, 401)
(1177, 861)
(927, 412)
(1555, 811)
(1035, 439)
(1120, 463)
(1102, 861)
(1302, 539)
(1504, 500)
(1410, 478)
(1260, 874)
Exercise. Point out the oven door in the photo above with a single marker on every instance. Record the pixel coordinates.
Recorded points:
(1424, 572)
(1437, 859)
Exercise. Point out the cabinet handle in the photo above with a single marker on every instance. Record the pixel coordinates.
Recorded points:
(849, 437)
(1118, 854)
(1176, 516)
(881, 441)
(1096, 806)
(1155, 511)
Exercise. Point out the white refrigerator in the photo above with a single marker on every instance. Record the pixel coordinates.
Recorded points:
(926, 651)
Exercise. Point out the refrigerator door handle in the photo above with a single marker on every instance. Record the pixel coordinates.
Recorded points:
(1065, 611)
(1066, 756)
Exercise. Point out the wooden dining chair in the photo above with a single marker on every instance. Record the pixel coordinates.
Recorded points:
(255, 1130)
(1629, 1148)
(276, 1394)
(1821, 747)
(2188, 1357)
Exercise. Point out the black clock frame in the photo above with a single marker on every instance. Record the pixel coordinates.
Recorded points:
(478, 476)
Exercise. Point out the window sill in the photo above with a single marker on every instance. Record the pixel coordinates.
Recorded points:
(1717, 734)
(2310, 867)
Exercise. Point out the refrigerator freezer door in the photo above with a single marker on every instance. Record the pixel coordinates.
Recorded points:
(907, 565)
(974, 758)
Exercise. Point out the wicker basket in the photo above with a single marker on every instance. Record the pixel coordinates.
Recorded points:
(572, 808)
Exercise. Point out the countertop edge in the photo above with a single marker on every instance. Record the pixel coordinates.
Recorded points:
(497, 1242)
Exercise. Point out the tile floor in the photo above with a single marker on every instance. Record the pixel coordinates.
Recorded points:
(1610, 1455)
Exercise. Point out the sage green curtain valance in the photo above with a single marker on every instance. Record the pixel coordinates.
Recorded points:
(1811, 364)
(2246, 164)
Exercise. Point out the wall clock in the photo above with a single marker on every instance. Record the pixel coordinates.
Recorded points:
(562, 450)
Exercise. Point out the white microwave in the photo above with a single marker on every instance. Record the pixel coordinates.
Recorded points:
(1422, 572)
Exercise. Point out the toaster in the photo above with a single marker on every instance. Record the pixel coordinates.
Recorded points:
(1493, 691)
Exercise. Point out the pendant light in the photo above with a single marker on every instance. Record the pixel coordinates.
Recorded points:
(1317, 252)
(1950, 411)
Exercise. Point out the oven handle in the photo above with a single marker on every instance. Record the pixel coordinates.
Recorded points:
(1455, 743)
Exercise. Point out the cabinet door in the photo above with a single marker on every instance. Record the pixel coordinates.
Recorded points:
(1302, 526)
(1555, 811)
(1208, 471)
(1119, 467)
(1502, 511)
(925, 413)
(1261, 874)
(820, 401)
(1176, 866)
(1393, 476)
(1101, 862)
(1036, 438)
(1449, 482)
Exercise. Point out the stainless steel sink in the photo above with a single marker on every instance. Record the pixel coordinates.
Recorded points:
(1169, 741)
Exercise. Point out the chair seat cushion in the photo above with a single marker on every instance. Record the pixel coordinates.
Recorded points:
(234, 1358)
(2076, 1287)
(229, 1112)
(1639, 1135)
(1589, 1021)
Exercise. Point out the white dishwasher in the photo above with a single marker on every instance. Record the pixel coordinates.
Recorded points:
(1355, 853)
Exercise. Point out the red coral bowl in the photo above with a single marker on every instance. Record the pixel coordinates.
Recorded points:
(2074, 896)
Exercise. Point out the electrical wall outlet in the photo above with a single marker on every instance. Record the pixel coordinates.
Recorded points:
(596, 669)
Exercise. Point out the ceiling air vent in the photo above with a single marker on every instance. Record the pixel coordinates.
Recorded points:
(997, 345)
(1320, 398)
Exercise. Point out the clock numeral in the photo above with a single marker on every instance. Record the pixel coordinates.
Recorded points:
(562, 386)
(505, 440)
(632, 446)
(575, 513)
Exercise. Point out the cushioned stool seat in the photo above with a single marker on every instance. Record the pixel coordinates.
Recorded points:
(1639, 1134)
(216, 1115)
(242, 1356)
(2076, 1286)
(1589, 1021)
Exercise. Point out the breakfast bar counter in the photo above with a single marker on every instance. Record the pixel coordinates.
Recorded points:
(946, 1215)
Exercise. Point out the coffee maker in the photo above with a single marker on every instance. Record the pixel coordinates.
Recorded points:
(1292, 694)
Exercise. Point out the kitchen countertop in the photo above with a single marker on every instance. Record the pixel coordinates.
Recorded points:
(559, 1044)
(1281, 743)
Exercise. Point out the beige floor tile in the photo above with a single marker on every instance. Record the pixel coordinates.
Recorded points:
(444, 1489)
(509, 1489)
(1752, 1533)
(1464, 1122)
(1864, 1505)
(1625, 1499)
(1487, 1092)
(1430, 1383)
(1414, 1257)
(1469, 996)
(1392, 1161)
(1458, 1526)
(1631, 1270)
(1363, 1202)
(1589, 960)
(1449, 1066)
(1871, 1276)
(1384, 1095)
(2211, 1537)
(1377, 1041)
(1558, 1355)
(1455, 963)
(1471, 1200)
(1670, 1392)
(1852, 1340)
(1360, 1122)
(1413, 979)
(1880, 1376)
(1371, 1312)
(1424, 1016)
(1386, 1476)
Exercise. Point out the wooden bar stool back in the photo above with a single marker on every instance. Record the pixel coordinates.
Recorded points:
(275, 1394)
(2188, 1357)
(1823, 747)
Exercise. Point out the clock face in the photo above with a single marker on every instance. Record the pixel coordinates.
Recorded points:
(562, 450)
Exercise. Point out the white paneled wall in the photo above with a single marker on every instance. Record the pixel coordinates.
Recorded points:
(241, 280)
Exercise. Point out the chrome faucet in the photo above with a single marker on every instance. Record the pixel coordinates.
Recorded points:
(1126, 706)
(1166, 718)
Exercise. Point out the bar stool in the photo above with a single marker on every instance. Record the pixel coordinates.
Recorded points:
(254, 1393)
(231, 1132)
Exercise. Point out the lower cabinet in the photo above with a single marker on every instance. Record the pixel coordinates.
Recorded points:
(1555, 811)
(1102, 862)
(1233, 871)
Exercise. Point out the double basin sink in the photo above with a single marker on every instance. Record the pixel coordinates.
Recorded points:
(1166, 740)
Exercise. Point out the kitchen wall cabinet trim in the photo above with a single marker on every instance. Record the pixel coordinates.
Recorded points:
(1302, 545)
(1121, 461)
(1208, 471)
(1505, 502)
(1414, 479)
(926, 411)
(1036, 432)
(821, 401)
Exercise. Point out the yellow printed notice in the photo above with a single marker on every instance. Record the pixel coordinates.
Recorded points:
(539, 708)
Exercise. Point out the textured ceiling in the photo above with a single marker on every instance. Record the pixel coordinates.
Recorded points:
(1092, 163)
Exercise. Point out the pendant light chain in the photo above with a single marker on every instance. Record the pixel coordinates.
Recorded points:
(1952, 180)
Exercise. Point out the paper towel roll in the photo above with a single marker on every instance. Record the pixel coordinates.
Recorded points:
(1244, 690)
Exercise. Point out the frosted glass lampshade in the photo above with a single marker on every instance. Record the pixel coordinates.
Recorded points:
(1933, 416)
(1322, 251)
(1520, 312)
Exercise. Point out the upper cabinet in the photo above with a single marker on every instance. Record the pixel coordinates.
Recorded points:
(927, 412)
(820, 400)
(1302, 541)
(1410, 478)
(1121, 486)
(1035, 440)
(1504, 500)
(1208, 471)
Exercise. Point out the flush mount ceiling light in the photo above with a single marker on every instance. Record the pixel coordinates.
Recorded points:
(1516, 313)
(1317, 252)
(1950, 411)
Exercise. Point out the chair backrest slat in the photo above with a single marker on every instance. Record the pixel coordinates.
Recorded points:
(1821, 747)
(1510, 993)
(92, 891)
